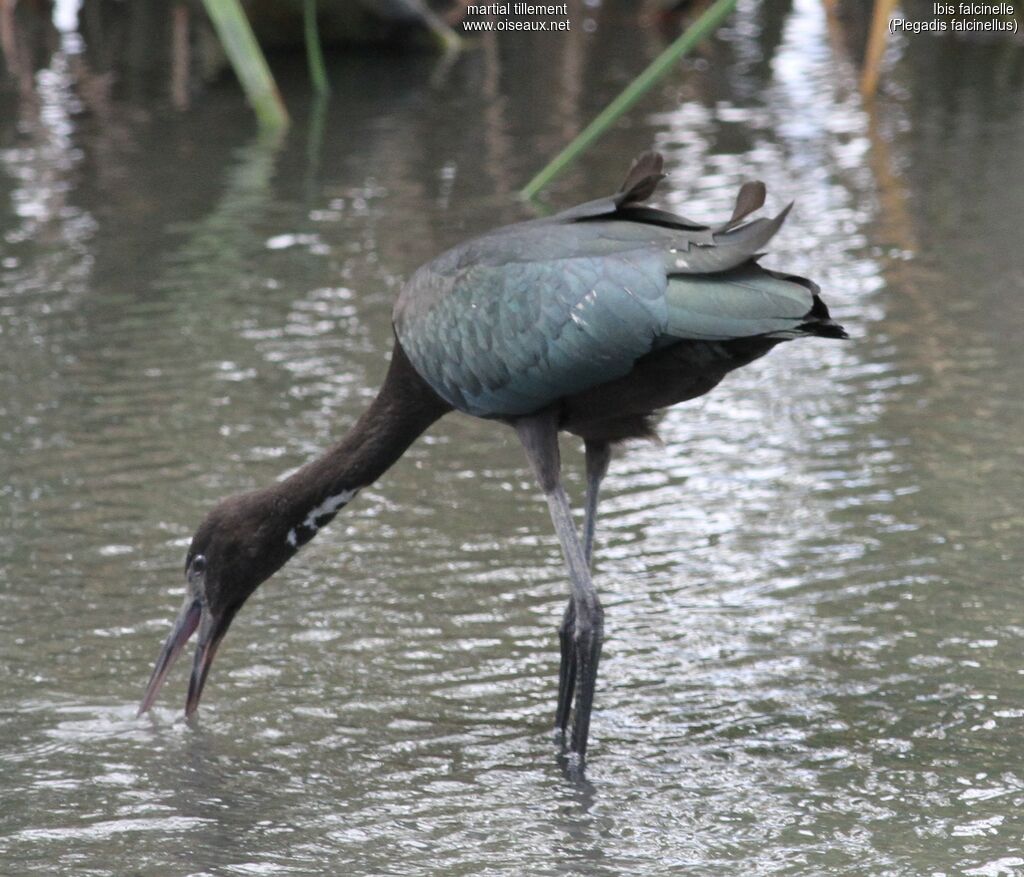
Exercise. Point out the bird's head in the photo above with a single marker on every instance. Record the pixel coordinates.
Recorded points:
(231, 554)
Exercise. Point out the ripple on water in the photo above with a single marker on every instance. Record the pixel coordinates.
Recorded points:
(813, 655)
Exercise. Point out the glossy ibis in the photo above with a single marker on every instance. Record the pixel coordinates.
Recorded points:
(588, 322)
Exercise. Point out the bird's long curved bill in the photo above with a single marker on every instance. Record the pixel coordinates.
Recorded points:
(211, 628)
(184, 626)
(210, 635)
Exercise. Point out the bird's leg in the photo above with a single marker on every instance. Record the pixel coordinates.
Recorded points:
(539, 435)
(566, 668)
(598, 457)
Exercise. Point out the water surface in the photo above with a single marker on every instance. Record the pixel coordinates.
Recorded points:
(815, 633)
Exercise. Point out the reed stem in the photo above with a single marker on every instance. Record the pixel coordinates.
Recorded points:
(248, 62)
(702, 27)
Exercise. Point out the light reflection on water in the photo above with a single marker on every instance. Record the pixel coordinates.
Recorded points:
(813, 658)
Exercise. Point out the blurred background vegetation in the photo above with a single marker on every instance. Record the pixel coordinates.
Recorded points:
(157, 50)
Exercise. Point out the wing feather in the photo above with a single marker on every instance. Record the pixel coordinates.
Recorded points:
(511, 321)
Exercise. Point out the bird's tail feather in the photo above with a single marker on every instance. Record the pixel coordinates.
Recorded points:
(642, 179)
(749, 199)
(745, 302)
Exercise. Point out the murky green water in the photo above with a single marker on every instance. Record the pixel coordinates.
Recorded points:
(814, 605)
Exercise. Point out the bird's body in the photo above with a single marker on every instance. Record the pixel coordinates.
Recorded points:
(535, 313)
(588, 322)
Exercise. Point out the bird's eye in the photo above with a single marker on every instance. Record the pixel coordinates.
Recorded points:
(198, 565)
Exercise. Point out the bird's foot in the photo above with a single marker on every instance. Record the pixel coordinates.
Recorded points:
(587, 647)
(566, 669)
(573, 767)
(581, 651)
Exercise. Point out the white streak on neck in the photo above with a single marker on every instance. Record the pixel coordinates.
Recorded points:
(328, 507)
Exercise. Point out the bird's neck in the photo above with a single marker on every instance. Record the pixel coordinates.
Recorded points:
(403, 409)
